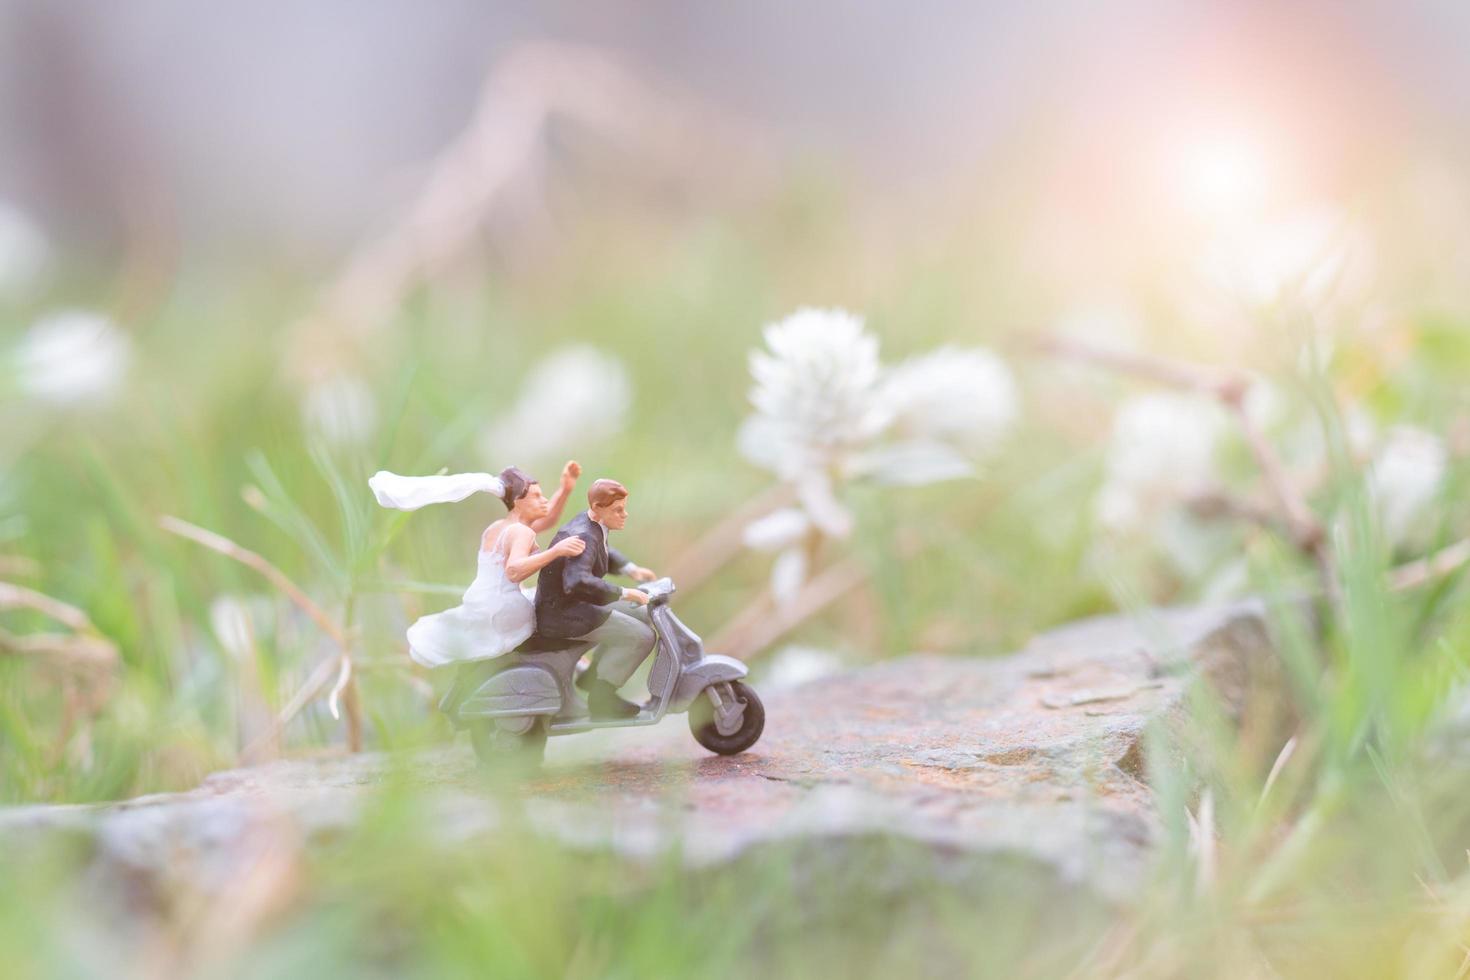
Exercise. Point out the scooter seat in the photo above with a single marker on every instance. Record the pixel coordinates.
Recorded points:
(547, 644)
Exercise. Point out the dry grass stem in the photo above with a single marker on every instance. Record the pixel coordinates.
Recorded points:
(1218, 504)
(312, 687)
(341, 665)
(224, 546)
(80, 650)
(14, 596)
(1282, 758)
(1162, 370)
(761, 623)
(721, 544)
(1443, 562)
(501, 145)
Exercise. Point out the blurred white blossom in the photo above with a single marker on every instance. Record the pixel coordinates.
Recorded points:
(575, 397)
(340, 409)
(73, 356)
(1163, 447)
(814, 393)
(788, 575)
(966, 398)
(1404, 481)
(25, 253)
(826, 411)
(777, 530)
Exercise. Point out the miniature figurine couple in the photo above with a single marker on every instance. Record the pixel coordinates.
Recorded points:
(571, 599)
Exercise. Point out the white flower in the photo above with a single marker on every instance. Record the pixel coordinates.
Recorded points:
(1163, 447)
(826, 413)
(962, 397)
(340, 409)
(73, 356)
(575, 397)
(792, 666)
(24, 251)
(778, 529)
(1404, 480)
(788, 575)
(814, 392)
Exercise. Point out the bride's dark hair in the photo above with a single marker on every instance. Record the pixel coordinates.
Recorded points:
(517, 483)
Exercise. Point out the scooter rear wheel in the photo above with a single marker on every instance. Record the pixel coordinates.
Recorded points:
(497, 748)
(752, 723)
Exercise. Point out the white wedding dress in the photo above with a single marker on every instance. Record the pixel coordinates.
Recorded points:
(494, 618)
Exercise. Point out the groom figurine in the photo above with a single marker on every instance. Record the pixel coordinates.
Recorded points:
(573, 602)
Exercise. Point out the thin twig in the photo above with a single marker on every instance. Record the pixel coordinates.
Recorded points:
(344, 697)
(1306, 531)
(1163, 370)
(80, 649)
(1229, 387)
(1216, 504)
(1427, 569)
(758, 626)
(228, 548)
(14, 596)
(315, 682)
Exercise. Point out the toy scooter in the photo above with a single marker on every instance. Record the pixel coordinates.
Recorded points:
(513, 703)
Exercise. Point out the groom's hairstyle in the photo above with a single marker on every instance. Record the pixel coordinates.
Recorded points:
(517, 483)
(604, 493)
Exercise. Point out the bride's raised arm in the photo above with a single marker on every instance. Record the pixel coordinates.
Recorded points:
(521, 564)
(569, 474)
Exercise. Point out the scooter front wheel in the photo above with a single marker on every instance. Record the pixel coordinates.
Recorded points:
(752, 721)
(496, 747)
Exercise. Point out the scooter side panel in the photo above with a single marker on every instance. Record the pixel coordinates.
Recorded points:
(517, 691)
(710, 668)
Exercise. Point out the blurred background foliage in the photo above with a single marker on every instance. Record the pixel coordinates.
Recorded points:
(239, 275)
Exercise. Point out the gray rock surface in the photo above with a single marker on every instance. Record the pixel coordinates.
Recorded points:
(1032, 759)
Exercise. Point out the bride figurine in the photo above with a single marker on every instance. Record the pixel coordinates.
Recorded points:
(495, 616)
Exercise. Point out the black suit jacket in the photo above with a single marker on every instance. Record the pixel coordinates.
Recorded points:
(571, 597)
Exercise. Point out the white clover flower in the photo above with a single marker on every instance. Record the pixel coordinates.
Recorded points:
(788, 575)
(777, 530)
(1404, 481)
(25, 253)
(340, 409)
(962, 397)
(576, 396)
(826, 411)
(73, 356)
(814, 393)
(1163, 447)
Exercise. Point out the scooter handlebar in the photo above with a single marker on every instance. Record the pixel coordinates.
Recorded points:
(658, 589)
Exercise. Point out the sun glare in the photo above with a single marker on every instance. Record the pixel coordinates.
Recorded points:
(1220, 174)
